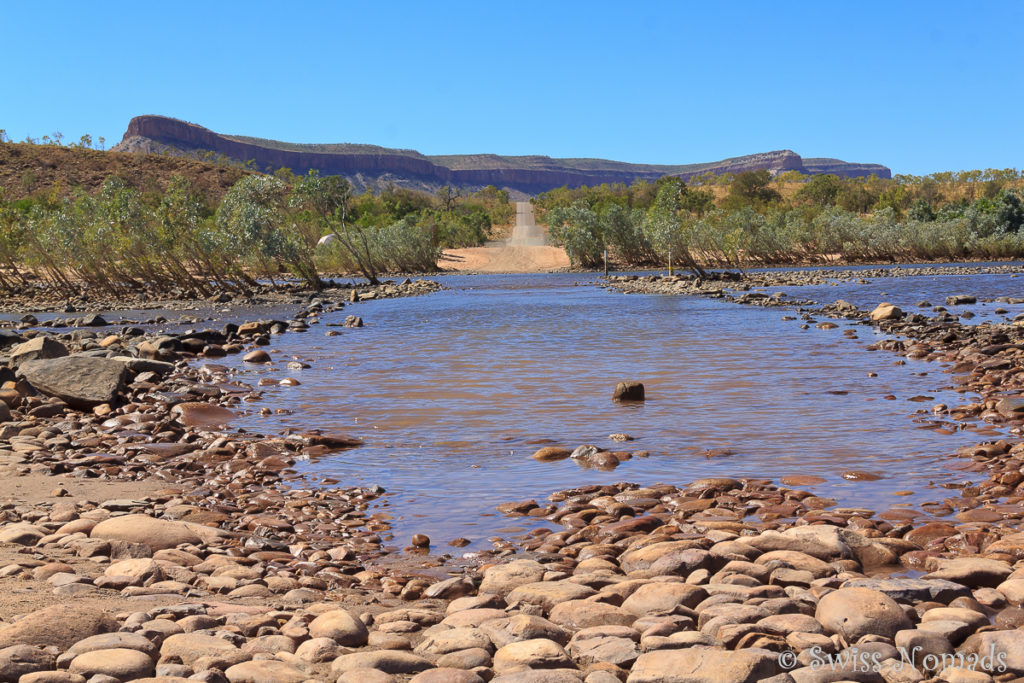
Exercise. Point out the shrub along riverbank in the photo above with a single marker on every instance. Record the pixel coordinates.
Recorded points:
(753, 224)
(121, 240)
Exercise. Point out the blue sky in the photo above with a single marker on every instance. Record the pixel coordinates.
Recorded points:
(917, 86)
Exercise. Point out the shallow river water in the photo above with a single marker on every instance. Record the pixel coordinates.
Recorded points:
(452, 393)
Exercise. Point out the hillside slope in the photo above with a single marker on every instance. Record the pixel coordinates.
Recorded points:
(27, 169)
(369, 165)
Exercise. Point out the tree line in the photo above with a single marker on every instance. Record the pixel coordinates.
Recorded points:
(265, 229)
(755, 219)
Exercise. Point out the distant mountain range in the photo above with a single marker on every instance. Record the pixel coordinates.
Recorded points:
(372, 166)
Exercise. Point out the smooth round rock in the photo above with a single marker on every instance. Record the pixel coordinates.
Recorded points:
(265, 671)
(856, 612)
(120, 663)
(341, 627)
(158, 534)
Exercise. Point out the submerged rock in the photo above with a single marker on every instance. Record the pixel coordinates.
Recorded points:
(628, 391)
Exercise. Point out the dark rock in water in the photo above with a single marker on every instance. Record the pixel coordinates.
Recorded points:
(628, 391)
(257, 356)
(93, 320)
(960, 300)
(550, 453)
(29, 319)
(80, 381)
(332, 441)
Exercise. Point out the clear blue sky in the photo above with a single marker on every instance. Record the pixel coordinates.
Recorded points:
(918, 86)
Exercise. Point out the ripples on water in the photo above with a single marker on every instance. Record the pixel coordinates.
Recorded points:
(454, 391)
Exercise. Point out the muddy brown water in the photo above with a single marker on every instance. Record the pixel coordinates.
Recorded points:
(453, 392)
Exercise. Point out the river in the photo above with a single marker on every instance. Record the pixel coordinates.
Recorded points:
(453, 392)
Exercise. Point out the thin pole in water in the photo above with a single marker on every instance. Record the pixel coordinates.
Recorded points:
(606, 263)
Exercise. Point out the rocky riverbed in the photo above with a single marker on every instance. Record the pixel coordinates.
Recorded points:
(44, 299)
(204, 556)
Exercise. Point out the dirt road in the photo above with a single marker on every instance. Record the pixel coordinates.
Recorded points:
(526, 251)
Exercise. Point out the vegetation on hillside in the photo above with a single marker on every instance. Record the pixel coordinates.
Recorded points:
(172, 235)
(31, 170)
(753, 219)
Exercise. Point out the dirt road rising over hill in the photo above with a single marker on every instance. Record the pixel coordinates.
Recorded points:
(526, 251)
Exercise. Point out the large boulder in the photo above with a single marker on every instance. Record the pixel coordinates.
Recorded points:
(189, 647)
(547, 594)
(703, 665)
(80, 381)
(975, 572)
(998, 650)
(158, 534)
(822, 541)
(663, 597)
(19, 660)
(538, 653)
(339, 626)
(886, 311)
(388, 661)
(857, 612)
(265, 671)
(60, 625)
(503, 578)
(120, 663)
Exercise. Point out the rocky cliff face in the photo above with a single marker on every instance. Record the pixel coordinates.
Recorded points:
(528, 175)
(844, 169)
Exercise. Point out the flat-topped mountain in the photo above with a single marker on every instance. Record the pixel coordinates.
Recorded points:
(370, 165)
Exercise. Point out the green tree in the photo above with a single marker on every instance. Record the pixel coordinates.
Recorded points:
(752, 188)
(669, 229)
(253, 212)
(577, 228)
(821, 190)
(1010, 212)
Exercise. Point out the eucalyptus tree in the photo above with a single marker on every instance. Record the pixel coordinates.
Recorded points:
(253, 213)
(669, 228)
(577, 228)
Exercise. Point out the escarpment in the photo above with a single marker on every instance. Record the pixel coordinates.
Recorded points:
(367, 165)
